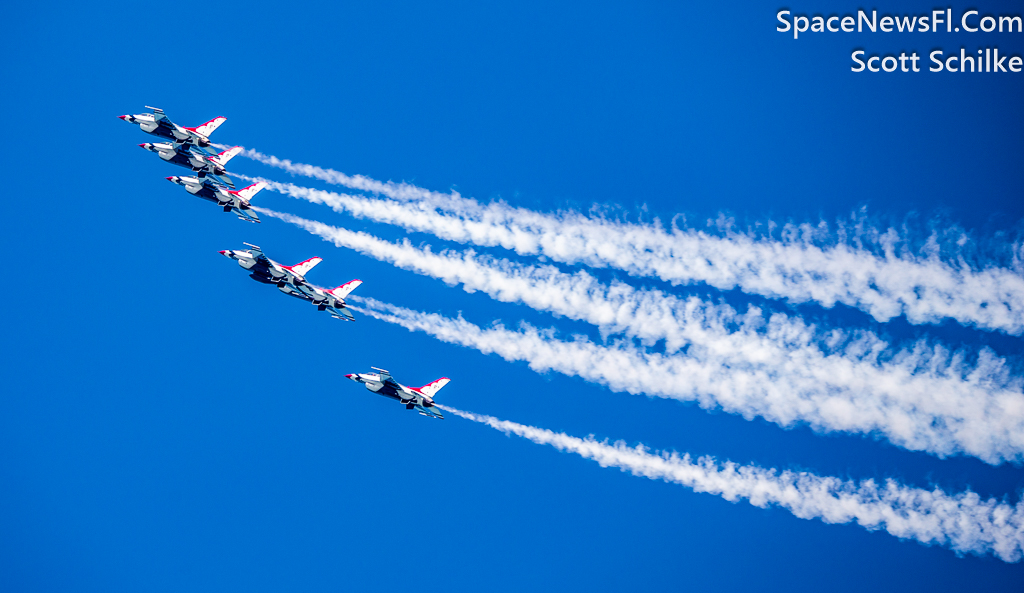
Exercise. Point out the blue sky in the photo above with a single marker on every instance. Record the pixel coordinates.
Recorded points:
(169, 424)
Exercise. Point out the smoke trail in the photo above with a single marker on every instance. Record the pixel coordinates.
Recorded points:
(963, 522)
(862, 266)
(941, 421)
(401, 191)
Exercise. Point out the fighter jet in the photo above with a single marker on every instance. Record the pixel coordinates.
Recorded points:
(157, 124)
(231, 200)
(420, 399)
(291, 280)
(332, 301)
(195, 159)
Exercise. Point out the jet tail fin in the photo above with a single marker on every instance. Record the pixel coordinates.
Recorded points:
(246, 193)
(302, 268)
(433, 387)
(222, 158)
(208, 128)
(344, 290)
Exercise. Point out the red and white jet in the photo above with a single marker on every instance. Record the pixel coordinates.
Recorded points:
(157, 124)
(190, 157)
(291, 280)
(332, 301)
(234, 200)
(420, 399)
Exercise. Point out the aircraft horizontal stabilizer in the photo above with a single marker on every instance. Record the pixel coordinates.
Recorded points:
(429, 412)
(247, 216)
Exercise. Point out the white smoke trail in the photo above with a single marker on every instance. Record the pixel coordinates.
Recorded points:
(828, 395)
(922, 399)
(399, 191)
(797, 268)
(963, 522)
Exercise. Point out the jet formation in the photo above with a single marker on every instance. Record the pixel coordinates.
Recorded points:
(291, 280)
(187, 147)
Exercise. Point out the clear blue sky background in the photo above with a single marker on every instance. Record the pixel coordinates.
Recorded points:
(166, 424)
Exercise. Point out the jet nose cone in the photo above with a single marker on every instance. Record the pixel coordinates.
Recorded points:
(223, 252)
(172, 179)
(144, 146)
(123, 117)
(352, 376)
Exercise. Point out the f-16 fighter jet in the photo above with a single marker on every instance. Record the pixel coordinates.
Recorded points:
(420, 399)
(291, 280)
(195, 159)
(231, 200)
(157, 124)
(332, 301)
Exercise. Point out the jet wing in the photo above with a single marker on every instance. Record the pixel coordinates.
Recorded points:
(386, 378)
(212, 183)
(223, 180)
(196, 149)
(158, 114)
(164, 122)
(257, 254)
(226, 180)
(429, 412)
(304, 290)
(184, 150)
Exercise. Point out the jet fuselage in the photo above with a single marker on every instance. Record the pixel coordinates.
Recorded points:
(391, 390)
